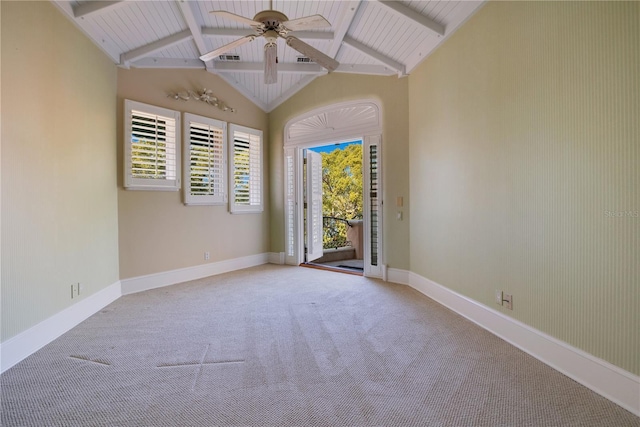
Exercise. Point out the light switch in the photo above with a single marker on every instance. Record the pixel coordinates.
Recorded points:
(399, 216)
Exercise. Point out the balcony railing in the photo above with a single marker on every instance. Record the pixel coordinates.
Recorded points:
(335, 232)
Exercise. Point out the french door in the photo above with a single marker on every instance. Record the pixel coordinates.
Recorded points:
(294, 205)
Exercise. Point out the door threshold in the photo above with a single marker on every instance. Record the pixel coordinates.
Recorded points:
(332, 268)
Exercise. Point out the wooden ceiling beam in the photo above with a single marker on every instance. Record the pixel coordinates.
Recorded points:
(150, 62)
(258, 67)
(375, 55)
(238, 32)
(94, 8)
(196, 32)
(146, 50)
(425, 21)
(350, 8)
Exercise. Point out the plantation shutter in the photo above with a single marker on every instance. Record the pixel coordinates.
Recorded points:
(290, 203)
(151, 147)
(204, 161)
(373, 206)
(373, 202)
(245, 170)
(314, 206)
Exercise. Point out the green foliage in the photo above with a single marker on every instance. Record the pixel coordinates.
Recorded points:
(342, 182)
(149, 159)
(341, 192)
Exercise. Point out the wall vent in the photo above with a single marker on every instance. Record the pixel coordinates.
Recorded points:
(229, 57)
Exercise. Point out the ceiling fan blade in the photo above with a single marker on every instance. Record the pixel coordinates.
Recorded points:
(312, 53)
(227, 47)
(312, 22)
(270, 63)
(237, 18)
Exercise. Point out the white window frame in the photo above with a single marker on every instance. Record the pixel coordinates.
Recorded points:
(256, 199)
(217, 163)
(172, 181)
(330, 125)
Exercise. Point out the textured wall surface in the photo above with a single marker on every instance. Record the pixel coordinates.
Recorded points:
(157, 231)
(333, 88)
(59, 200)
(524, 154)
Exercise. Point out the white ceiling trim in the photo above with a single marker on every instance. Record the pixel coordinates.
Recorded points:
(243, 90)
(465, 11)
(106, 46)
(402, 10)
(290, 92)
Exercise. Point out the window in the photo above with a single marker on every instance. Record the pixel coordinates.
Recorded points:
(204, 160)
(245, 169)
(151, 141)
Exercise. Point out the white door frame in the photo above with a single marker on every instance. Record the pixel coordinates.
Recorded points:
(335, 123)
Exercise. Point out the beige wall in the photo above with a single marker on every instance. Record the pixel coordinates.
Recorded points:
(59, 201)
(158, 232)
(524, 139)
(391, 92)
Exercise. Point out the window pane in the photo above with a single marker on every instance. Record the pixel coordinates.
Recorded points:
(205, 153)
(152, 146)
(246, 176)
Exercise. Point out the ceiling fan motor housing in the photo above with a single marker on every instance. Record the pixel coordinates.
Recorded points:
(271, 19)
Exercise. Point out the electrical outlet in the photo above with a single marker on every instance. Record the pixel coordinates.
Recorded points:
(75, 290)
(508, 301)
(207, 256)
(498, 297)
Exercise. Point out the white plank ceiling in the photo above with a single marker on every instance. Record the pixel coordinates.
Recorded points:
(366, 37)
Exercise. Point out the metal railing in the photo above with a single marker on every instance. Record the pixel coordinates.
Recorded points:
(334, 232)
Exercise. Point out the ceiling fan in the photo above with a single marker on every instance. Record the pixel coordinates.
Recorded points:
(272, 24)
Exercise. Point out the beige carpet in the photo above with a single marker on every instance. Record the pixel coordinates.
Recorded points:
(290, 346)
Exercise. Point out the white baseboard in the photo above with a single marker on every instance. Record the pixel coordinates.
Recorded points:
(276, 258)
(28, 342)
(396, 275)
(166, 278)
(610, 381)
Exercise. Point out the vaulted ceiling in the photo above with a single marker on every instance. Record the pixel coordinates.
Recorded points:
(365, 37)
